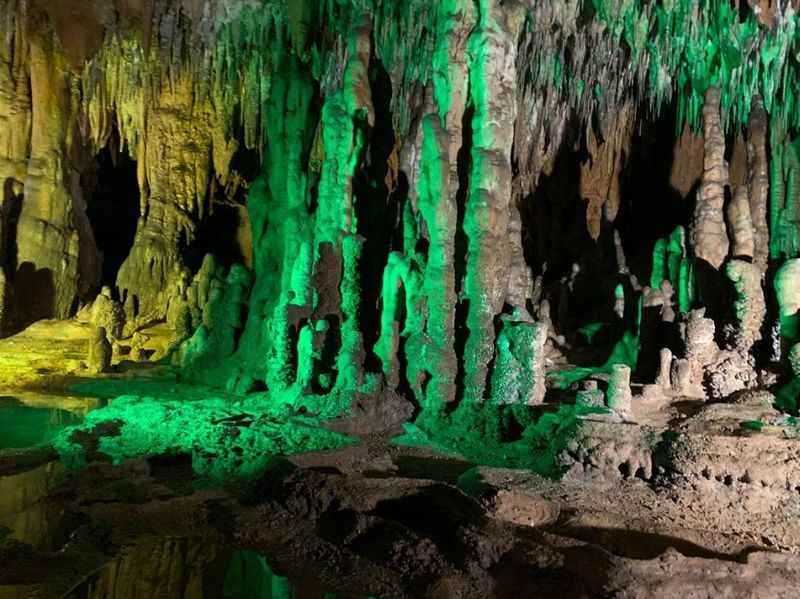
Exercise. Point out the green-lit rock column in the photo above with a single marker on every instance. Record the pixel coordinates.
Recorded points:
(492, 54)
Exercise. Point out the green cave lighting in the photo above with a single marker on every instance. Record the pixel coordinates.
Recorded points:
(297, 80)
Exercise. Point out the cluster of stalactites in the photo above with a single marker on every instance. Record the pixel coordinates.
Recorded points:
(597, 55)
(592, 54)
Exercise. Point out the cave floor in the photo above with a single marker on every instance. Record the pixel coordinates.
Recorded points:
(375, 518)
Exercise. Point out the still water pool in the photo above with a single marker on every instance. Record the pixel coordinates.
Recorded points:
(23, 425)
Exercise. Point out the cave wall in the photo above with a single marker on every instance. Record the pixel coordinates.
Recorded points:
(480, 101)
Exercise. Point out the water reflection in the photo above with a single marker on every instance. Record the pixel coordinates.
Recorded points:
(152, 567)
(24, 425)
(249, 575)
(25, 512)
(155, 566)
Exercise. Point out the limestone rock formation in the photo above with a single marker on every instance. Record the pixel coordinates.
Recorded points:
(709, 233)
(663, 379)
(700, 350)
(758, 181)
(731, 371)
(741, 223)
(787, 292)
(519, 368)
(506, 230)
(394, 208)
(590, 395)
(100, 352)
(108, 313)
(750, 306)
(619, 391)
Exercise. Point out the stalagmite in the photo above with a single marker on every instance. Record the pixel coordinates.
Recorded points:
(708, 234)
(750, 307)
(100, 352)
(518, 376)
(700, 350)
(620, 400)
(138, 345)
(590, 396)
(390, 279)
(106, 312)
(664, 368)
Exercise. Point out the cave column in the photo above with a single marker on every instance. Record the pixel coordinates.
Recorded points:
(15, 114)
(344, 113)
(492, 53)
(282, 236)
(176, 157)
(437, 189)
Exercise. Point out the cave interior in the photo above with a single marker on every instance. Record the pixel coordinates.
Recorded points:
(399, 298)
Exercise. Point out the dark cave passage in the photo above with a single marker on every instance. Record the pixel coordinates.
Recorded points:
(113, 208)
(10, 209)
(656, 188)
(378, 200)
(223, 233)
(225, 229)
(559, 248)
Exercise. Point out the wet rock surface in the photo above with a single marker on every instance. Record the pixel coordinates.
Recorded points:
(400, 522)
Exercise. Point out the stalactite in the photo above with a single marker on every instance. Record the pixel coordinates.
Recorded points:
(709, 235)
(786, 232)
(401, 280)
(777, 185)
(672, 264)
(600, 180)
(758, 181)
(291, 82)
